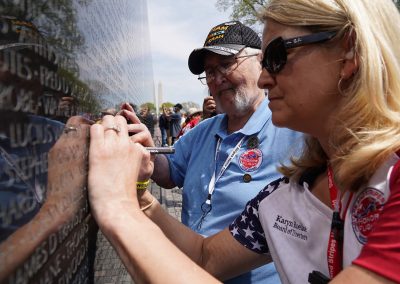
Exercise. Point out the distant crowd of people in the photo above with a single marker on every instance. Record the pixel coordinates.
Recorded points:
(174, 123)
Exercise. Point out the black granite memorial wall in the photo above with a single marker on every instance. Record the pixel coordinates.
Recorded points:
(62, 64)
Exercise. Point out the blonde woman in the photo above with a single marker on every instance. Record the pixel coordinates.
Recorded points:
(332, 71)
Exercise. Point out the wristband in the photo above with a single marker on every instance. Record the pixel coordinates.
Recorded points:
(142, 185)
(148, 205)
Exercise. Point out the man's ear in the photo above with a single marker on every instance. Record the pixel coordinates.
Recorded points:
(350, 57)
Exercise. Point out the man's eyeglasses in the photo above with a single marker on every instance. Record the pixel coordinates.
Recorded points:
(275, 54)
(225, 69)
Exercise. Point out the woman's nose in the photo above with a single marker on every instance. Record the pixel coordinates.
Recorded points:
(266, 81)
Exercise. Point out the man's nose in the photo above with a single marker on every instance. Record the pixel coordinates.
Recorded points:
(219, 77)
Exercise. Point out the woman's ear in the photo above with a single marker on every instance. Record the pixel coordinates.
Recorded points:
(350, 57)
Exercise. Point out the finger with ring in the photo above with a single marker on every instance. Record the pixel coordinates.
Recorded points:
(116, 128)
(69, 128)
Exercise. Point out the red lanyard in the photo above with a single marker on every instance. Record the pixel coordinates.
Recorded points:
(335, 244)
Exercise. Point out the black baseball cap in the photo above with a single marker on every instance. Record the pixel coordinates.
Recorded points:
(178, 106)
(225, 39)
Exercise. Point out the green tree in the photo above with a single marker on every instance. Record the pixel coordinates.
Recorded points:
(55, 20)
(244, 10)
(55, 28)
(166, 105)
(151, 106)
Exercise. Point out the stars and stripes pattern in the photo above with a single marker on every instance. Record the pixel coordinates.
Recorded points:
(247, 229)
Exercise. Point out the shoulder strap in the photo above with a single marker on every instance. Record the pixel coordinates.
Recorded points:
(395, 173)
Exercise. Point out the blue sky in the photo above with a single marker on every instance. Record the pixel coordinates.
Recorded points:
(176, 28)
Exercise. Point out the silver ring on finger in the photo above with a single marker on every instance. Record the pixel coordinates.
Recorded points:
(69, 128)
(116, 128)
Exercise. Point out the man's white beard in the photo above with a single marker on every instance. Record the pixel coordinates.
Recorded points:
(242, 102)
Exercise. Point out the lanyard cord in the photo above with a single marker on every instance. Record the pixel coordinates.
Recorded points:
(206, 206)
(335, 244)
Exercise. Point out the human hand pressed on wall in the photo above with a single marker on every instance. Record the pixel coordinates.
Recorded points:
(65, 195)
(209, 107)
(67, 167)
(114, 164)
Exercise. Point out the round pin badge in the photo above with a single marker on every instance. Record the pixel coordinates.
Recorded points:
(250, 160)
(253, 142)
(246, 178)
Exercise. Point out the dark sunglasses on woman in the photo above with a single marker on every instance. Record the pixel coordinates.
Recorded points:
(275, 54)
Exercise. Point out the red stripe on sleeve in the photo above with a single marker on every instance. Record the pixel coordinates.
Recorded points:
(381, 254)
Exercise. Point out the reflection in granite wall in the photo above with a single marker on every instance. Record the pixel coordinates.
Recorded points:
(116, 61)
(61, 63)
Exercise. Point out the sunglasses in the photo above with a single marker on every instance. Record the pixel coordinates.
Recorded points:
(275, 54)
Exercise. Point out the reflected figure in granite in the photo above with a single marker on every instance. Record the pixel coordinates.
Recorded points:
(25, 136)
(43, 148)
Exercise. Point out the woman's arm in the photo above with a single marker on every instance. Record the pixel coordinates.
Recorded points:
(146, 248)
(146, 252)
(150, 255)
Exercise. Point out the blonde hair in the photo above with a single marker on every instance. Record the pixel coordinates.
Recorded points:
(368, 128)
